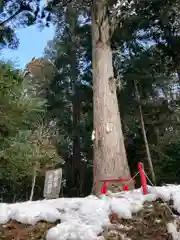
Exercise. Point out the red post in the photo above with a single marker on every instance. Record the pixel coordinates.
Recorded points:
(104, 188)
(125, 188)
(143, 178)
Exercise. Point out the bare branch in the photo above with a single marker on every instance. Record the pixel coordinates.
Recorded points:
(11, 17)
(22, 7)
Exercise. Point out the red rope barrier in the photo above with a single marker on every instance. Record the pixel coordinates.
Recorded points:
(105, 182)
(116, 180)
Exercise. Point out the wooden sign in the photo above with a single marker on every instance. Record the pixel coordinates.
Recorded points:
(52, 183)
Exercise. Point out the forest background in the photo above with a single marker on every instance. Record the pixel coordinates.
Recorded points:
(47, 115)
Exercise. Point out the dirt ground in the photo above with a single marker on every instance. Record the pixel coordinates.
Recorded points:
(148, 224)
(16, 231)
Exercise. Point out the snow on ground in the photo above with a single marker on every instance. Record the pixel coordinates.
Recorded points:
(84, 218)
(172, 229)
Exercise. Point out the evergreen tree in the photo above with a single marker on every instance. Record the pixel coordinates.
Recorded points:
(24, 143)
(71, 84)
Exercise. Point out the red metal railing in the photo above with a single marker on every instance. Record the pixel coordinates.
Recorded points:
(127, 181)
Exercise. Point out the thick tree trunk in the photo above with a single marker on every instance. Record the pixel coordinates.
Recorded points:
(109, 150)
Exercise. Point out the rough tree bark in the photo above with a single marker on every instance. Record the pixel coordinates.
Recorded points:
(110, 159)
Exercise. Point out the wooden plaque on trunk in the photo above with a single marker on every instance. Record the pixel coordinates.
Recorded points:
(52, 183)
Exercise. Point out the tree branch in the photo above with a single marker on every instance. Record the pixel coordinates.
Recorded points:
(22, 7)
(11, 17)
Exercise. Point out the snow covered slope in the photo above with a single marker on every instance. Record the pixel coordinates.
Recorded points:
(85, 218)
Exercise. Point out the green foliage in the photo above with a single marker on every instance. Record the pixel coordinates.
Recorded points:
(17, 106)
(16, 156)
(16, 14)
(140, 54)
(70, 98)
(145, 47)
(167, 158)
(60, 93)
(146, 50)
(25, 139)
(145, 54)
(43, 143)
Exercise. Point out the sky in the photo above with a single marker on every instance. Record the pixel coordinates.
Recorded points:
(32, 42)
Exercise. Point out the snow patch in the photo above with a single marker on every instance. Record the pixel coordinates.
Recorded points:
(172, 229)
(72, 230)
(5, 213)
(85, 218)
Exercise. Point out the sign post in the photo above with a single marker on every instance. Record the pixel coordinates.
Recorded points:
(52, 183)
